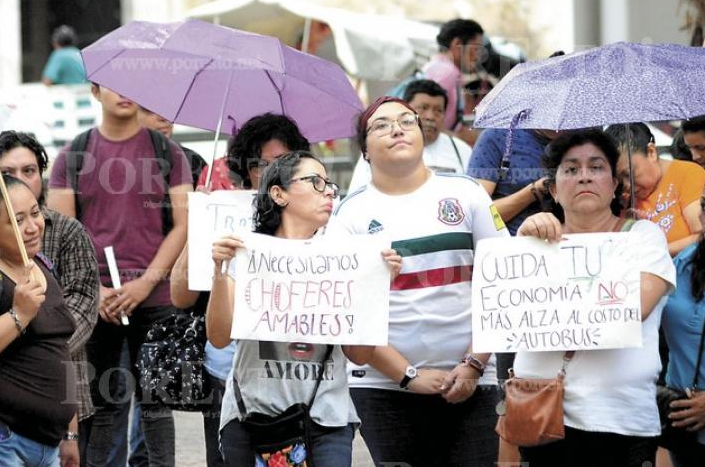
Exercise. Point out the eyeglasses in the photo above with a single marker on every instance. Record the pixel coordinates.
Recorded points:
(256, 163)
(383, 127)
(319, 183)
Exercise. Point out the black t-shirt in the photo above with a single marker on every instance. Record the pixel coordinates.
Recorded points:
(37, 380)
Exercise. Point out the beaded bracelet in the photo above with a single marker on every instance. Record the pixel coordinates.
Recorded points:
(18, 324)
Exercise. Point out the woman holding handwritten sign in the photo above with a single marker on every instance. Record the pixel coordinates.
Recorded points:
(610, 412)
(294, 201)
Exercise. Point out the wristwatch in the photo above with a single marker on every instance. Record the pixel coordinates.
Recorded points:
(410, 373)
(70, 436)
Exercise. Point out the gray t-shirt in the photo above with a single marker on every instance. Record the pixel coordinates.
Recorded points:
(273, 376)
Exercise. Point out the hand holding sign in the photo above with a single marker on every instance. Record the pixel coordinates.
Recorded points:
(543, 225)
(393, 260)
(224, 250)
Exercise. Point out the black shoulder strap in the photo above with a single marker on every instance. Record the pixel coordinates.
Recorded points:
(74, 163)
(5, 301)
(241, 403)
(326, 357)
(457, 153)
(162, 154)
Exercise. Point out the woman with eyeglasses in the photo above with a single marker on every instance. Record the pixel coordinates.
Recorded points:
(427, 398)
(667, 192)
(260, 141)
(294, 201)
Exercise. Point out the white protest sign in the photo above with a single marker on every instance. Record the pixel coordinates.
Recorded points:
(581, 293)
(211, 216)
(327, 290)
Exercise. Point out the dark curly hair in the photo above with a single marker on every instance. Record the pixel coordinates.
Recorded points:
(245, 149)
(558, 148)
(268, 214)
(14, 139)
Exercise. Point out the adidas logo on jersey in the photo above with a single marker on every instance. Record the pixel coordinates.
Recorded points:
(374, 227)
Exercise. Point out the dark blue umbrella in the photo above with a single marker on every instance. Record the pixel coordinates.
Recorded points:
(615, 83)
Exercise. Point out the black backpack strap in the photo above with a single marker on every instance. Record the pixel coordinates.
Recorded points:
(162, 153)
(74, 163)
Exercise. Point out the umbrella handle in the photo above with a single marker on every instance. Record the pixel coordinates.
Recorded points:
(217, 131)
(13, 222)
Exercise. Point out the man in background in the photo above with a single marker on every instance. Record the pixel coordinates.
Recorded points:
(459, 43)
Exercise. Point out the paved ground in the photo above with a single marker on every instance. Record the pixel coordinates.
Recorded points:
(191, 451)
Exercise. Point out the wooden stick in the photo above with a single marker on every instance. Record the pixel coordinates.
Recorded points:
(13, 221)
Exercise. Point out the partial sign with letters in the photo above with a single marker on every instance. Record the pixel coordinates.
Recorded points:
(581, 293)
(327, 290)
(210, 216)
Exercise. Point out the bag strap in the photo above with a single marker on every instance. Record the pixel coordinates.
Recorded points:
(163, 156)
(326, 357)
(628, 224)
(567, 357)
(700, 357)
(457, 153)
(241, 402)
(74, 163)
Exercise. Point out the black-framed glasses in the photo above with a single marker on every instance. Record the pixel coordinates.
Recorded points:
(383, 127)
(319, 183)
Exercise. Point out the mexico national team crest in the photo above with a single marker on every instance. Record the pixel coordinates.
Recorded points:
(450, 212)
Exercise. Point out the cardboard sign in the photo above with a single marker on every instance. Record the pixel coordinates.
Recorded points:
(582, 293)
(327, 290)
(210, 216)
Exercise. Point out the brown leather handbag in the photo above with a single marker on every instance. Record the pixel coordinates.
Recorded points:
(533, 412)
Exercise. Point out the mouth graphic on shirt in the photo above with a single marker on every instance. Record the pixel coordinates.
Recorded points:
(301, 351)
(295, 351)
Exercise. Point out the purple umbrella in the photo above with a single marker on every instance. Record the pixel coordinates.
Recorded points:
(207, 76)
(615, 83)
